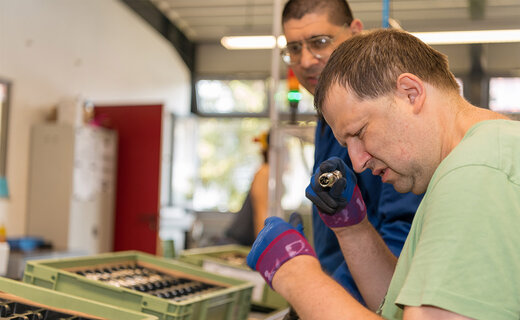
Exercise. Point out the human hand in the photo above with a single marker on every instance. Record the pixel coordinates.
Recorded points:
(277, 243)
(341, 204)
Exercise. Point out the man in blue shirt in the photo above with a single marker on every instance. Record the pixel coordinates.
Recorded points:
(313, 29)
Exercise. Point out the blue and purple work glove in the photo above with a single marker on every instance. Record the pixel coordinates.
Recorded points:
(341, 204)
(277, 243)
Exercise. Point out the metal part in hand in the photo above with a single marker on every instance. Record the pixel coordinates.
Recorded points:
(328, 179)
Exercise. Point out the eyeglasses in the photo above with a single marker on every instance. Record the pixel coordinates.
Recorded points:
(318, 46)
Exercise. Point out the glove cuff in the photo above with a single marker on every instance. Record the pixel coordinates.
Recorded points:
(352, 214)
(284, 247)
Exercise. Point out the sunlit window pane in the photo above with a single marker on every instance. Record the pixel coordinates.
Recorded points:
(228, 159)
(215, 160)
(504, 94)
(231, 96)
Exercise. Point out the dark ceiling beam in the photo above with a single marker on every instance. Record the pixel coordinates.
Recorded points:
(163, 25)
(477, 84)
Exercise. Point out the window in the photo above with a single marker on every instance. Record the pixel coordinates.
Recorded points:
(504, 94)
(215, 160)
(214, 156)
(228, 159)
(228, 97)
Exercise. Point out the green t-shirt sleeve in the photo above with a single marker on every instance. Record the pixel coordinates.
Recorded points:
(467, 259)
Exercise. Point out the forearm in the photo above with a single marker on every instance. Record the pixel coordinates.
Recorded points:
(370, 261)
(260, 214)
(313, 294)
(259, 196)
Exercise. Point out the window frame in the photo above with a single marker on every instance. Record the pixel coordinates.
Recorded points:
(5, 106)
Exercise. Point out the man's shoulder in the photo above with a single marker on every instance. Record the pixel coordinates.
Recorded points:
(494, 144)
(487, 142)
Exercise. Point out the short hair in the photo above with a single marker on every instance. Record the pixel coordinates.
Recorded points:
(368, 64)
(338, 10)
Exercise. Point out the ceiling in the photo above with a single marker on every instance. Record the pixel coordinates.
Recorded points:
(206, 21)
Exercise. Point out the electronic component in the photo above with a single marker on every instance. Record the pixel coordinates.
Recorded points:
(147, 280)
(22, 301)
(328, 179)
(11, 309)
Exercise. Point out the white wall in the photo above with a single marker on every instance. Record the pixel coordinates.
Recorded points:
(99, 49)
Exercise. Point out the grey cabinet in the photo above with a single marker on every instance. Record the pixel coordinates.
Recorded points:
(71, 192)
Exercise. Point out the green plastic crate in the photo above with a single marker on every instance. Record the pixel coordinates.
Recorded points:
(230, 302)
(220, 259)
(261, 311)
(51, 300)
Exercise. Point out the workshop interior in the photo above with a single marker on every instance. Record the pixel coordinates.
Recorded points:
(131, 131)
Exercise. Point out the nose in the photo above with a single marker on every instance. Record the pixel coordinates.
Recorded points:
(358, 155)
(307, 58)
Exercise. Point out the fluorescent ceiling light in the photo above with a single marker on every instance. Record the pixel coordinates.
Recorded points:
(252, 42)
(244, 43)
(447, 37)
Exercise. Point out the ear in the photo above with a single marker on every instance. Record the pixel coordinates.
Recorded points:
(356, 26)
(411, 88)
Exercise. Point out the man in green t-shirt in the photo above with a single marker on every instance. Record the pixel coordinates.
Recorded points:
(393, 102)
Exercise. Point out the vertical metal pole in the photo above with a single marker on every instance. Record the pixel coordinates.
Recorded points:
(386, 13)
(275, 138)
(476, 87)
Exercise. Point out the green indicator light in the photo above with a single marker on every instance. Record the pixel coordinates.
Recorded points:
(294, 96)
